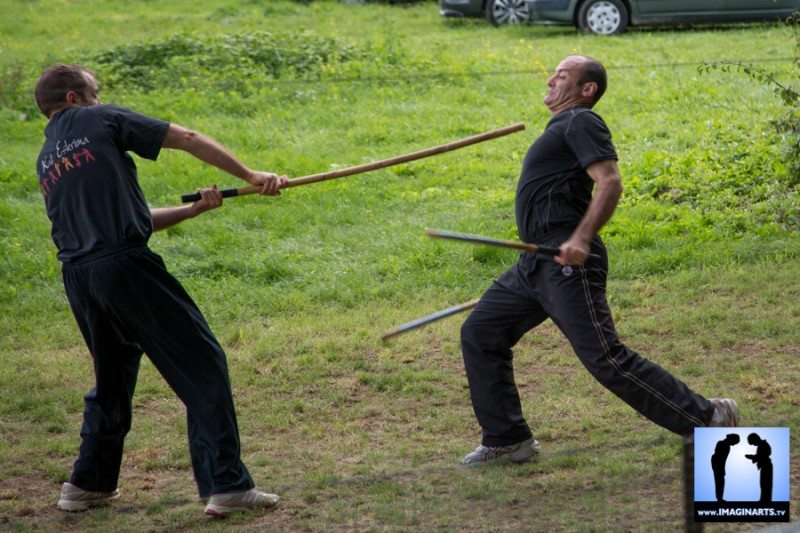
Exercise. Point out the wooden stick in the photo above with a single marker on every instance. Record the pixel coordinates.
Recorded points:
(503, 243)
(479, 239)
(414, 324)
(314, 178)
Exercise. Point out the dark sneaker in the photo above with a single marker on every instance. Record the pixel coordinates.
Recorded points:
(726, 413)
(517, 453)
(76, 499)
(223, 504)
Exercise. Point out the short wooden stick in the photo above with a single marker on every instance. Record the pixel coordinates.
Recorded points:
(418, 323)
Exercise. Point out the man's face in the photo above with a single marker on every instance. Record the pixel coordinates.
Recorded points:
(92, 90)
(564, 88)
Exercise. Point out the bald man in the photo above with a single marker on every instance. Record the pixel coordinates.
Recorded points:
(568, 189)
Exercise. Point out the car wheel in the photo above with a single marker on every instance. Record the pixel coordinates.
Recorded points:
(603, 17)
(500, 12)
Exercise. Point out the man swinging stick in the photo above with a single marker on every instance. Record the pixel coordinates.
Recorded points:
(555, 207)
(125, 301)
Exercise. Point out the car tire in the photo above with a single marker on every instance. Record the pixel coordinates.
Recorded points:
(603, 17)
(502, 12)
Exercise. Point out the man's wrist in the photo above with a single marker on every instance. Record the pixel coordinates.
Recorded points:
(582, 238)
(192, 211)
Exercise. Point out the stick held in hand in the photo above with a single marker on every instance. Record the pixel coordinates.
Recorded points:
(375, 165)
(502, 243)
(193, 197)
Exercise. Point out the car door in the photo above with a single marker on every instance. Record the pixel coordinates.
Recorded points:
(762, 5)
(653, 7)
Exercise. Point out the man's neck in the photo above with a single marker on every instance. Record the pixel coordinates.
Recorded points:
(567, 107)
(58, 110)
(66, 106)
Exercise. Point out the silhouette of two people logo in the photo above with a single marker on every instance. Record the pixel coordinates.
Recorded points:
(761, 459)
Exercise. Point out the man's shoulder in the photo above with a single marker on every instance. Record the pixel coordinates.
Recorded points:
(93, 114)
(123, 118)
(583, 118)
(577, 115)
(90, 109)
(584, 114)
(106, 110)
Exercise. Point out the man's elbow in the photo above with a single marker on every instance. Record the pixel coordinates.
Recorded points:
(180, 138)
(187, 139)
(613, 186)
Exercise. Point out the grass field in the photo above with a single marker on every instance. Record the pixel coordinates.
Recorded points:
(353, 433)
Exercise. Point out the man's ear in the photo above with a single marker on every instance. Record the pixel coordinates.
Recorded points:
(589, 89)
(72, 98)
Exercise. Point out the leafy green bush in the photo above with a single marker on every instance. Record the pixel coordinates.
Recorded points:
(16, 92)
(789, 123)
(737, 180)
(231, 62)
(775, 198)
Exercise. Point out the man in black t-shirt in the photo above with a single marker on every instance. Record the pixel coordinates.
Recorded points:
(556, 206)
(125, 301)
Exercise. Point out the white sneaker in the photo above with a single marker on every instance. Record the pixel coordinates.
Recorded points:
(76, 499)
(726, 413)
(517, 453)
(223, 504)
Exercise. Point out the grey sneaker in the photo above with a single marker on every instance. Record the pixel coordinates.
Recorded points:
(76, 499)
(223, 504)
(517, 453)
(726, 413)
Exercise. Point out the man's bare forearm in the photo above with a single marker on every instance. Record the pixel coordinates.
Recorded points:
(600, 209)
(210, 151)
(608, 190)
(207, 150)
(165, 217)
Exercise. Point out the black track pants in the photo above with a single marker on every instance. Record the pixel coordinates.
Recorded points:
(127, 303)
(574, 298)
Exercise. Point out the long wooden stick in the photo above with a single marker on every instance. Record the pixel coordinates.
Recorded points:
(418, 323)
(314, 178)
(480, 239)
(502, 243)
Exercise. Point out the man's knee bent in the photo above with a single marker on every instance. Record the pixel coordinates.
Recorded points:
(472, 333)
(480, 338)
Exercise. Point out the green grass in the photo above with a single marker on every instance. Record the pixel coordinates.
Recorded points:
(351, 432)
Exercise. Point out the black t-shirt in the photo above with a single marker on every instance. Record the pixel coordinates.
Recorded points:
(554, 189)
(89, 182)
